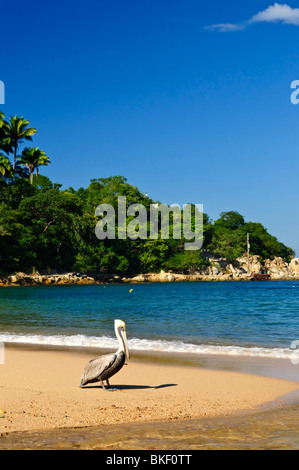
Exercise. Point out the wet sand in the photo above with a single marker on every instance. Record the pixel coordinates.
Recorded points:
(39, 390)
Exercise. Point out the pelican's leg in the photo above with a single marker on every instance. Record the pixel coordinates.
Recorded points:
(102, 383)
(110, 389)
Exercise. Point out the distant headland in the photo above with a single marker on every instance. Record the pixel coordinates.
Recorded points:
(47, 231)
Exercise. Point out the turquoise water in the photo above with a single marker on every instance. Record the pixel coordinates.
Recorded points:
(235, 318)
(255, 320)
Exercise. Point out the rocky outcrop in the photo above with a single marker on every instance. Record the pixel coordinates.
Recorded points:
(22, 279)
(219, 269)
(278, 269)
(294, 267)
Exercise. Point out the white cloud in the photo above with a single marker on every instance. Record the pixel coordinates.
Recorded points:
(276, 13)
(226, 27)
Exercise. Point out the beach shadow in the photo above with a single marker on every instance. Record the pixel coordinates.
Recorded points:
(137, 387)
(166, 385)
(132, 387)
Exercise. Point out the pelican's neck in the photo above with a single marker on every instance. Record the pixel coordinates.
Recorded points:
(121, 346)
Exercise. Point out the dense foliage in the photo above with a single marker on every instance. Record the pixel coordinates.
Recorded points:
(46, 228)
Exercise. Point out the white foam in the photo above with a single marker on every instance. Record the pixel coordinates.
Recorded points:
(136, 344)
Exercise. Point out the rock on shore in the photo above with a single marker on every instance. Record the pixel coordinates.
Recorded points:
(218, 270)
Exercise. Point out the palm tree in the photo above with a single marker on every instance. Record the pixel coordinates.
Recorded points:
(33, 157)
(4, 145)
(16, 131)
(2, 133)
(5, 167)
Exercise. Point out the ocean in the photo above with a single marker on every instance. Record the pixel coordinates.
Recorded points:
(246, 326)
(256, 319)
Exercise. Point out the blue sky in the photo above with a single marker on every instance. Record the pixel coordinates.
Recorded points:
(189, 100)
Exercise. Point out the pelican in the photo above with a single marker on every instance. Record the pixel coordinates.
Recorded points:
(104, 367)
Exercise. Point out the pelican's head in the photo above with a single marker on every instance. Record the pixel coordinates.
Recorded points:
(120, 330)
(119, 324)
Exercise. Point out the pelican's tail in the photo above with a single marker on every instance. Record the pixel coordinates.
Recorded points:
(82, 383)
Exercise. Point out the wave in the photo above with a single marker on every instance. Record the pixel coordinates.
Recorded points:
(163, 346)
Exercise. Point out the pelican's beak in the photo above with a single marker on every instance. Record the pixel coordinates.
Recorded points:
(125, 341)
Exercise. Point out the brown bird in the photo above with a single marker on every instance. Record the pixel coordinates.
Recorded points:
(104, 367)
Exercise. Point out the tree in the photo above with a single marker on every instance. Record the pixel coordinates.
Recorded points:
(33, 157)
(264, 244)
(186, 262)
(49, 238)
(2, 116)
(231, 220)
(10, 232)
(4, 144)
(228, 243)
(14, 133)
(4, 165)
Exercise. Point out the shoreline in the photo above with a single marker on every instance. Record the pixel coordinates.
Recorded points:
(218, 269)
(64, 279)
(265, 366)
(39, 391)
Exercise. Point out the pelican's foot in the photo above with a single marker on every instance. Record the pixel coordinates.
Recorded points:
(108, 388)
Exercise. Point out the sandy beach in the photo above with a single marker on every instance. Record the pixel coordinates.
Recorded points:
(39, 390)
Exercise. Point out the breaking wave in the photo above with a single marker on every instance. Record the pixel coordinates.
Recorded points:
(148, 345)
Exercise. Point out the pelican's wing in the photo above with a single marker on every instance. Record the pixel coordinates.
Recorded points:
(96, 367)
